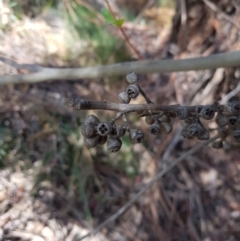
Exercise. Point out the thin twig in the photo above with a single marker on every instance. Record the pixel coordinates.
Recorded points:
(123, 33)
(132, 47)
(141, 192)
(14, 64)
(212, 6)
(84, 104)
(144, 9)
(223, 60)
(231, 94)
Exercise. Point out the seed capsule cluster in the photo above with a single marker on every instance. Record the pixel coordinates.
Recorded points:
(160, 122)
(96, 132)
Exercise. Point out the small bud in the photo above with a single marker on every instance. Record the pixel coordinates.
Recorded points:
(132, 91)
(114, 144)
(166, 127)
(104, 128)
(149, 120)
(88, 130)
(182, 113)
(207, 112)
(232, 121)
(92, 119)
(136, 136)
(217, 144)
(221, 119)
(132, 78)
(123, 97)
(155, 128)
(232, 108)
(236, 135)
(91, 141)
(118, 131)
(102, 140)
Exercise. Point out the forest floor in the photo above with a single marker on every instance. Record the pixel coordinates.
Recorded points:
(52, 187)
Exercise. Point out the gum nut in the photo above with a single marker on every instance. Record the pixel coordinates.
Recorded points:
(221, 119)
(88, 130)
(131, 78)
(123, 97)
(155, 128)
(182, 113)
(204, 136)
(136, 136)
(91, 141)
(104, 128)
(236, 135)
(232, 120)
(165, 118)
(118, 131)
(132, 91)
(102, 140)
(217, 144)
(195, 130)
(149, 120)
(114, 144)
(92, 119)
(166, 127)
(185, 134)
(207, 112)
(232, 108)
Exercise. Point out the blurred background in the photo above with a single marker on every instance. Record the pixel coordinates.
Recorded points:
(54, 188)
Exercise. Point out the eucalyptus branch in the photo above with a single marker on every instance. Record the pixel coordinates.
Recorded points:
(164, 170)
(158, 117)
(84, 104)
(230, 59)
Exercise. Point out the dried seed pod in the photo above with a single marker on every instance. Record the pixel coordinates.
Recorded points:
(187, 122)
(227, 146)
(165, 118)
(123, 97)
(185, 133)
(182, 113)
(92, 119)
(104, 128)
(232, 108)
(149, 120)
(118, 131)
(114, 144)
(221, 119)
(155, 128)
(207, 112)
(88, 130)
(217, 144)
(232, 121)
(195, 129)
(205, 135)
(92, 141)
(236, 135)
(166, 127)
(102, 140)
(136, 136)
(132, 91)
(132, 78)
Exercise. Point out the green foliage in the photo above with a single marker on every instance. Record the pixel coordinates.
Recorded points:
(88, 26)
